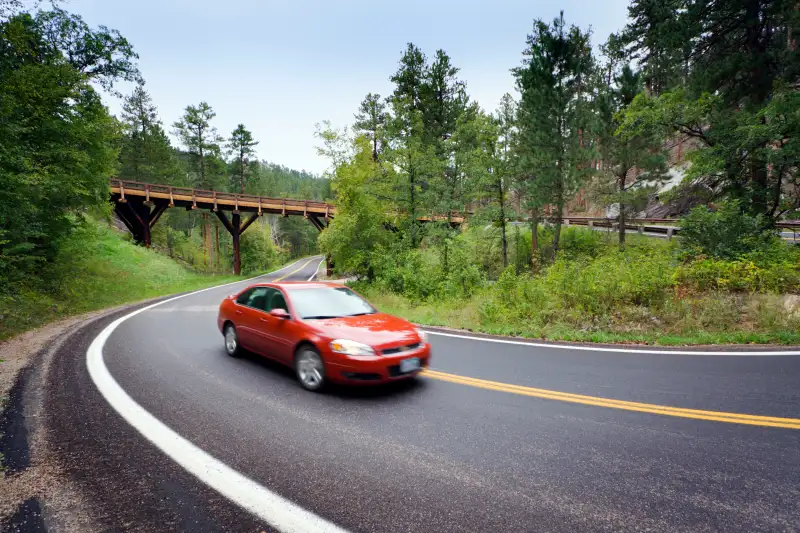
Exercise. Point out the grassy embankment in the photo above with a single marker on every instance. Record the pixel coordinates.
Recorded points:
(96, 268)
(595, 292)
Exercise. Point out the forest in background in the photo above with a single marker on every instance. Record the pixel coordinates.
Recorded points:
(594, 120)
(59, 145)
(721, 77)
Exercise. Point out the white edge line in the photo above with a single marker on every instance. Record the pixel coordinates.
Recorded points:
(276, 510)
(316, 272)
(609, 349)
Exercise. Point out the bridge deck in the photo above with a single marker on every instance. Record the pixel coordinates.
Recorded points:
(190, 198)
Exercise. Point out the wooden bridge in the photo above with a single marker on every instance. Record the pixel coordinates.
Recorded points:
(140, 205)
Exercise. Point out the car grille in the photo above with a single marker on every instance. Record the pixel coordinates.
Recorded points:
(400, 349)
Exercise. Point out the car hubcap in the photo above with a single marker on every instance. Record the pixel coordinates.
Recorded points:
(230, 340)
(309, 368)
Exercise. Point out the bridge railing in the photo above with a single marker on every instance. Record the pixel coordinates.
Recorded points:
(203, 194)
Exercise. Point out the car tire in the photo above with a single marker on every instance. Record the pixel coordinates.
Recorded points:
(310, 369)
(232, 346)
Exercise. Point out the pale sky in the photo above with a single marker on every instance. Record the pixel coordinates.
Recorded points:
(280, 67)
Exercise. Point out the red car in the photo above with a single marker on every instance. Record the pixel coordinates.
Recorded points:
(325, 331)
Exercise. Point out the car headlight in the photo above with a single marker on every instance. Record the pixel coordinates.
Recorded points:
(349, 347)
(423, 336)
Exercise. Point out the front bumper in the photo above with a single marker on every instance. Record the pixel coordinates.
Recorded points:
(375, 369)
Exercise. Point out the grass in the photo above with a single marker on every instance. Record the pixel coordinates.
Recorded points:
(96, 268)
(466, 315)
(594, 292)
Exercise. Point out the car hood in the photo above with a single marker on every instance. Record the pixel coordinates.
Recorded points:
(377, 329)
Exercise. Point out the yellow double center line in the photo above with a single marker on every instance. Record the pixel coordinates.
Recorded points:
(298, 269)
(716, 416)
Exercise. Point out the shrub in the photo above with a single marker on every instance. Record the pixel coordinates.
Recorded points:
(742, 275)
(727, 233)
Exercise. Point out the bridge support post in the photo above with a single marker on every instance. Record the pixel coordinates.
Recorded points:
(139, 218)
(236, 228)
(328, 266)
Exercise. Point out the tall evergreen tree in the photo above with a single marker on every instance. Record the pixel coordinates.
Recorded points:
(409, 151)
(738, 98)
(241, 146)
(555, 116)
(202, 142)
(199, 137)
(145, 154)
(632, 163)
(505, 156)
(371, 121)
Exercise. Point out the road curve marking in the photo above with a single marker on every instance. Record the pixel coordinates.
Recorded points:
(697, 414)
(298, 269)
(316, 272)
(274, 509)
(621, 349)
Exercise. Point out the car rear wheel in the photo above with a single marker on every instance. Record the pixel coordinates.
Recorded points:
(232, 341)
(310, 369)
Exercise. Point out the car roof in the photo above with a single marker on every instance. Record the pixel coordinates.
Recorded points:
(298, 284)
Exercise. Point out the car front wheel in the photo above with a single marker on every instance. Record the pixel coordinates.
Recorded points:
(232, 341)
(310, 369)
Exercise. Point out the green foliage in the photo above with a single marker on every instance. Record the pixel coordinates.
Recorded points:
(145, 151)
(357, 236)
(727, 233)
(59, 147)
(718, 76)
(258, 253)
(93, 269)
(742, 275)
(555, 116)
(241, 146)
(202, 141)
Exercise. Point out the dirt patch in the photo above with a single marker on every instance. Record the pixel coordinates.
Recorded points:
(31, 482)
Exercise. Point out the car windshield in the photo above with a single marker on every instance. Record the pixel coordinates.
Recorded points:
(328, 302)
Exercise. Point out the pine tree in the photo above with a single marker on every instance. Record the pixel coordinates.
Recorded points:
(409, 151)
(506, 120)
(555, 116)
(199, 137)
(737, 98)
(202, 142)
(632, 164)
(241, 146)
(145, 154)
(371, 121)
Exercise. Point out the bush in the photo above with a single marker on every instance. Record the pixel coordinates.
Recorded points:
(727, 233)
(743, 275)
(257, 252)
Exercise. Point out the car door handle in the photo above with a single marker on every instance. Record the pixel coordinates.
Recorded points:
(263, 320)
(238, 312)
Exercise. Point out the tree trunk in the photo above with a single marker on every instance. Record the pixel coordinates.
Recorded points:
(621, 217)
(216, 237)
(413, 207)
(501, 201)
(534, 239)
(559, 216)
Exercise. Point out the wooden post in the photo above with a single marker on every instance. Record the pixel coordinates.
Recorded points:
(236, 222)
(328, 267)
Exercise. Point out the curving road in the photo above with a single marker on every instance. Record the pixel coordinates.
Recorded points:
(532, 442)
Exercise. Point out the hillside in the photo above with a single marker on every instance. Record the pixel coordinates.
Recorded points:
(95, 267)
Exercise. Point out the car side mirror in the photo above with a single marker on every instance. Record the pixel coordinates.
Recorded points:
(279, 313)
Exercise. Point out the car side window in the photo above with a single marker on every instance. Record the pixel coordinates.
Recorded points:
(275, 300)
(258, 300)
(242, 299)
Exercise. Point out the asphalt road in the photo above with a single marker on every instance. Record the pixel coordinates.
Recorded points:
(432, 455)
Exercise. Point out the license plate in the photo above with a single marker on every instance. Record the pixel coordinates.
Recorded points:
(409, 365)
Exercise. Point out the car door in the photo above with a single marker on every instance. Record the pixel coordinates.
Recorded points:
(275, 332)
(249, 312)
